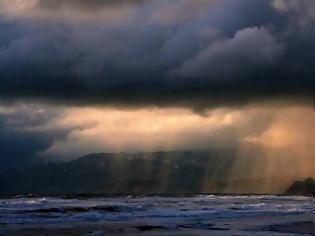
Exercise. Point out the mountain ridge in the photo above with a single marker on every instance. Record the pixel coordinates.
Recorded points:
(176, 172)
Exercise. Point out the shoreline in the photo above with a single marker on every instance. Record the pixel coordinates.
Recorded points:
(132, 195)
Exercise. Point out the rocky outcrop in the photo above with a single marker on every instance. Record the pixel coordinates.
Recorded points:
(305, 188)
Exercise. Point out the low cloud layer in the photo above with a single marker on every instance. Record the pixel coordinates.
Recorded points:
(184, 53)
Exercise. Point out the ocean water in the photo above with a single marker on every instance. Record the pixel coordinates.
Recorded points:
(30, 211)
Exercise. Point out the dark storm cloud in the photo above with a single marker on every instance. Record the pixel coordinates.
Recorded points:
(179, 53)
(20, 141)
(19, 148)
(85, 4)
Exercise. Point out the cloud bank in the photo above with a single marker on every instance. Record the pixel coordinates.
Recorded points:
(157, 53)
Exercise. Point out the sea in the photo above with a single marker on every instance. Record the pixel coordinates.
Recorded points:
(64, 210)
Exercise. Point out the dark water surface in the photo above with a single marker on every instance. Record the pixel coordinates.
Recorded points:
(154, 212)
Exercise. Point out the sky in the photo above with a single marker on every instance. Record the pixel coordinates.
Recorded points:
(80, 77)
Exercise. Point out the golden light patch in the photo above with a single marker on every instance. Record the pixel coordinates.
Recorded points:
(106, 129)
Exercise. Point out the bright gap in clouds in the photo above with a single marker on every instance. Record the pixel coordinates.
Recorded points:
(141, 130)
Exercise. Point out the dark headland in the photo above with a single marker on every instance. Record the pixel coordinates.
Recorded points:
(305, 188)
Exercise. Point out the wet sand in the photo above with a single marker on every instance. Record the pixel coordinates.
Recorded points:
(301, 224)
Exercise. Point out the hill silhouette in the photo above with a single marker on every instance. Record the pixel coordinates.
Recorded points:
(178, 172)
(305, 188)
